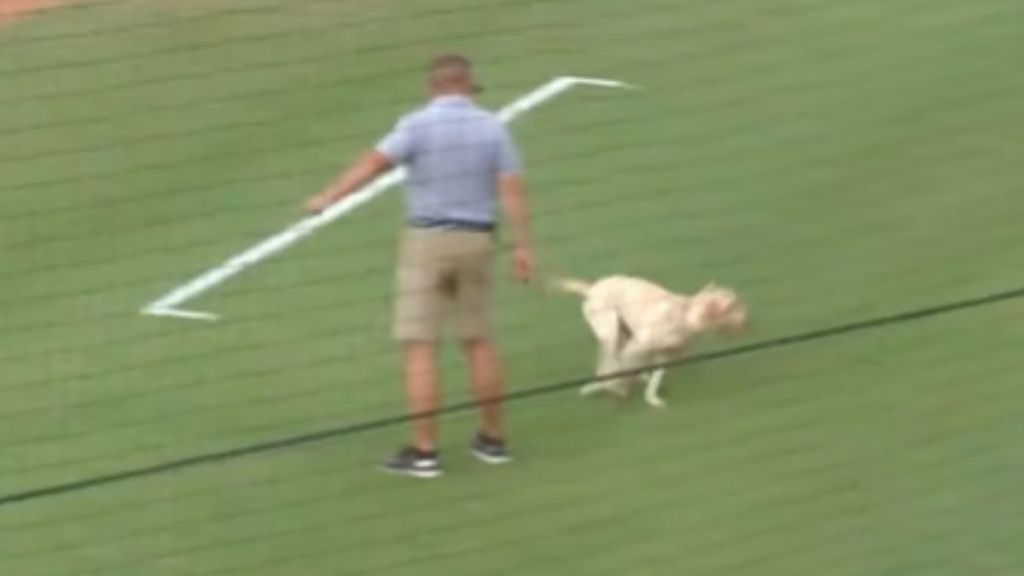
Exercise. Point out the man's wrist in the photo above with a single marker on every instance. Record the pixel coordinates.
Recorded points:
(335, 194)
(520, 238)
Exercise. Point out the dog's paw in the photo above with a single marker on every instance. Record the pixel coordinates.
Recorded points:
(591, 389)
(655, 402)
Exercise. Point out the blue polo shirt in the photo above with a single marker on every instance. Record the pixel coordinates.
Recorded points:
(454, 152)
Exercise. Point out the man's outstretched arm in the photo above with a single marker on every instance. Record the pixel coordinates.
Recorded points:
(368, 167)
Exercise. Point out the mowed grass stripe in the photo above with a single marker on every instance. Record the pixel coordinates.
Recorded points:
(833, 162)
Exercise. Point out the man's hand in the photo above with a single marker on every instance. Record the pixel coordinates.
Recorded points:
(522, 264)
(318, 203)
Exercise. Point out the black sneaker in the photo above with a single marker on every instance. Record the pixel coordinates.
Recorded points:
(412, 462)
(490, 450)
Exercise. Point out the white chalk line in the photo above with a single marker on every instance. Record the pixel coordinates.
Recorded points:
(169, 304)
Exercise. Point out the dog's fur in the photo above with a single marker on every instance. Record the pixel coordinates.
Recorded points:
(638, 323)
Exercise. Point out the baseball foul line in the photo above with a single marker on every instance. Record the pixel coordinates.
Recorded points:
(169, 304)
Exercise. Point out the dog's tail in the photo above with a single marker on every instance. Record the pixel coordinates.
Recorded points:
(570, 286)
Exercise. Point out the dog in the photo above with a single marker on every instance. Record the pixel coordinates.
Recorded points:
(638, 323)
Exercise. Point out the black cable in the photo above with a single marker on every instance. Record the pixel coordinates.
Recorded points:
(375, 424)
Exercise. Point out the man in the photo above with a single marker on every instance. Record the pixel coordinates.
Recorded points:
(462, 164)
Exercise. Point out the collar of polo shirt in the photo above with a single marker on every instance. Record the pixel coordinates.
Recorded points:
(452, 100)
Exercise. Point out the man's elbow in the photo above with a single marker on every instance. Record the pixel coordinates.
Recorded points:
(511, 184)
(376, 162)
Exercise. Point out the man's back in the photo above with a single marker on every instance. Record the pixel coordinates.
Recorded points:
(454, 151)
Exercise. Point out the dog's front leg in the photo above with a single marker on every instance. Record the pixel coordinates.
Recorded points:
(652, 392)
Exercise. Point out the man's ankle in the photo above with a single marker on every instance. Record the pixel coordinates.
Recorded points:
(430, 452)
(491, 436)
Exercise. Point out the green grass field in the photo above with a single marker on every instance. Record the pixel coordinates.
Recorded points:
(834, 161)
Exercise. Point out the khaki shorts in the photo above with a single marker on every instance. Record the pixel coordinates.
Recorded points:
(443, 275)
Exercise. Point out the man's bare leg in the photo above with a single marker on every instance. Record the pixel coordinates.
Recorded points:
(487, 384)
(421, 393)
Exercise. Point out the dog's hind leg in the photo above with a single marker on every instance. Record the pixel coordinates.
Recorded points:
(632, 359)
(606, 364)
(605, 324)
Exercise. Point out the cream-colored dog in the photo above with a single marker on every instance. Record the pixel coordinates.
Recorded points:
(638, 323)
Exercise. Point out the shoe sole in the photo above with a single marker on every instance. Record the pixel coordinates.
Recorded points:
(488, 459)
(418, 474)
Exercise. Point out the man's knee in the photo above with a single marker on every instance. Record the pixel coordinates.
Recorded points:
(478, 346)
(420, 366)
(416, 347)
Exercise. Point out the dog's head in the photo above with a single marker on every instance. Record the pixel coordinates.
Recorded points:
(717, 308)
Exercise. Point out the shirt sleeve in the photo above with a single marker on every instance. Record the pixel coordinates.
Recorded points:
(509, 159)
(398, 144)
